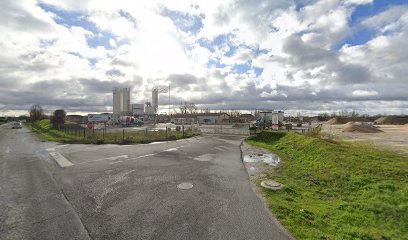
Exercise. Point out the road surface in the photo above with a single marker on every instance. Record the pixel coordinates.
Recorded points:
(188, 189)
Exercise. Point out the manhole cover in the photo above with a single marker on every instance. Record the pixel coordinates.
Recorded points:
(271, 185)
(185, 185)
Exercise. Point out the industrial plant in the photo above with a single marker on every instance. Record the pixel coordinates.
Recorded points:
(123, 107)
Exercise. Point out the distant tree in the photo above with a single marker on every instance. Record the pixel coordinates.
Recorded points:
(36, 112)
(23, 117)
(58, 117)
(205, 110)
(187, 108)
(191, 108)
(183, 107)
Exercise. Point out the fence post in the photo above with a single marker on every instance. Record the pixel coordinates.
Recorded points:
(166, 132)
(84, 132)
(103, 134)
(123, 134)
(183, 130)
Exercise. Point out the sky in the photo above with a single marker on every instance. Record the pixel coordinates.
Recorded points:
(304, 56)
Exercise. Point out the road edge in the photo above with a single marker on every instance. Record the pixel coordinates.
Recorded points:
(257, 190)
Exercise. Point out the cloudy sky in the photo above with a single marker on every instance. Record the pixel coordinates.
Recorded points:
(295, 55)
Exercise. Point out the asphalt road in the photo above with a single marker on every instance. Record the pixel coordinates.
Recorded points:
(128, 192)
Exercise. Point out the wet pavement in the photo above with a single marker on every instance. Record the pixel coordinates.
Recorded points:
(195, 188)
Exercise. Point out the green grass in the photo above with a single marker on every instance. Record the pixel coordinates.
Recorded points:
(45, 131)
(337, 190)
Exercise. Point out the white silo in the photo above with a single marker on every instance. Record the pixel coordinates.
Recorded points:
(155, 99)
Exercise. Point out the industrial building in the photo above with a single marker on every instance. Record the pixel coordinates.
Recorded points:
(137, 109)
(149, 109)
(121, 102)
(272, 116)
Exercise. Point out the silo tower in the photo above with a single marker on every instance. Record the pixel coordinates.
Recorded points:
(155, 99)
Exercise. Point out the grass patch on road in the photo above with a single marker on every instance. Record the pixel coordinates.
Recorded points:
(45, 131)
(337, 190)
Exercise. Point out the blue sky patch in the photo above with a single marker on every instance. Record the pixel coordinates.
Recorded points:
(360, 34)
(70, 18)
(184, 21)
(100, 39)
(241, 68)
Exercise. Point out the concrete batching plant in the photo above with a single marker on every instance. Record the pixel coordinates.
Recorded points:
(155, 99)
(121, 102)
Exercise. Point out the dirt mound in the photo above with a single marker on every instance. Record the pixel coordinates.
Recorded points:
(392, 120)
(352, 127)
(349, 124)
(336, 120)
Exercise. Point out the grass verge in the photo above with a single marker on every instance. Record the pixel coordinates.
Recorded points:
(337, 190)
(44, 131)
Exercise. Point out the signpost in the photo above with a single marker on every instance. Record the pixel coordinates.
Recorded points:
(98, 118)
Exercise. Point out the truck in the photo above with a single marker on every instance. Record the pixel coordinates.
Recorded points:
(130, 121)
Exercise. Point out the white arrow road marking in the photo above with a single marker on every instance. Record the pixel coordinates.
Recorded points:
(61, 160)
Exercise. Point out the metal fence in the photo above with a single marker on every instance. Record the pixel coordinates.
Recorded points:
(81, 134)
(232, 129)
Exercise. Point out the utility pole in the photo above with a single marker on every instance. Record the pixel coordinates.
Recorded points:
(169, 100)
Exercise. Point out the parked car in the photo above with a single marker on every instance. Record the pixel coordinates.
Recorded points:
(17, 125)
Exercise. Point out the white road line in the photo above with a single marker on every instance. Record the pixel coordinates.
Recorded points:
(220, 149)
(8, 150)
(103, 159)
(170, 150)
(152, 154)
(114, 158)
(61, 160)
(143, 156)
(115, 162)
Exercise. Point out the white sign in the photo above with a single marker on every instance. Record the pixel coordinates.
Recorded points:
(98, 118)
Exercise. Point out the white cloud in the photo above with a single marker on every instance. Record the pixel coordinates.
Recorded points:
(294, 49)
(364, 93)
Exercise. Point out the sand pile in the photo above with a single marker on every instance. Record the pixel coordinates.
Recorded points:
(336, 120)
(392, 120)
(352, 127)
(349, 124)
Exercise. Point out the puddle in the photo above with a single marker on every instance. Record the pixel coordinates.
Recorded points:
(271, 159)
